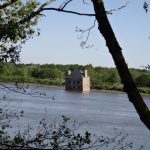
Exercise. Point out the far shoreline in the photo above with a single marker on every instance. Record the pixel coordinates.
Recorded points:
(92, 89)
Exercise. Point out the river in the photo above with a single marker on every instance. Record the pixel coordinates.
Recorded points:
(101, 112)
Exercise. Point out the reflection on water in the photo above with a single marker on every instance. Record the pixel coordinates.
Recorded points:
(102, 111)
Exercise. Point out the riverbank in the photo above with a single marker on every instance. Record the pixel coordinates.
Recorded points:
(97, 90)
(115, 92)
(92, 89)
(101, 78)
(105, 88)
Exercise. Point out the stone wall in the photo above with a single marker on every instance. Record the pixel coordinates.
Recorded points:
(86, 84)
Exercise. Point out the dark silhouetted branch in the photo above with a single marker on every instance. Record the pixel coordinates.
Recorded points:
(64, 4)
(70, 12)
(7, 4)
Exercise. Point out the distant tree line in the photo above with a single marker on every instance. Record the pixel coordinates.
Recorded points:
(51, 74)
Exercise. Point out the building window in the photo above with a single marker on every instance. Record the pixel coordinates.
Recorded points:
(74, 82)
(78, 82)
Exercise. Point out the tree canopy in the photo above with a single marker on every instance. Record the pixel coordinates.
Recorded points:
(18, 20)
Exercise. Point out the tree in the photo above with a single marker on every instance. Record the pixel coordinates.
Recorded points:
(10, 35)
(16, 30)
(115, 50)
(52, 73)
(17, 25)
(143, 80)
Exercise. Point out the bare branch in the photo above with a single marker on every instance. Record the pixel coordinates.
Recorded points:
(64, 4)
(114, 10)
(83, 43)
(61, 9)
(88, 31)
(70, 12)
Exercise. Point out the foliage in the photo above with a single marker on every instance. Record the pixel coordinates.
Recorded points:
(17, 25)
(5, 118)
(145, 6)
(51, 74)
(143, 80)
(63, 136)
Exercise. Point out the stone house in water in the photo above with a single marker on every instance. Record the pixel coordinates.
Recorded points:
(77, 80)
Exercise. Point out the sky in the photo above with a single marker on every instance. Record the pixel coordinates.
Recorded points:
(59, 43)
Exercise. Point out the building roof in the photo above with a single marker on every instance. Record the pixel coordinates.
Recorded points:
(76, 74)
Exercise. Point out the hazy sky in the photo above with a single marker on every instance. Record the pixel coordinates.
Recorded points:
(59, 43)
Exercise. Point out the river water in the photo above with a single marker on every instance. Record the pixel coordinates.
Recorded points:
(100, 112)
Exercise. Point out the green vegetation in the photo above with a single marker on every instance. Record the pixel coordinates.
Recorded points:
(61, 136)
(51, 74)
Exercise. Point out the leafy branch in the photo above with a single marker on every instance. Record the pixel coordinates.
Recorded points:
(64, 136)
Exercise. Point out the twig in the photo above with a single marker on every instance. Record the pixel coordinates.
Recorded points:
(22, 90)
(114, 10)
(64, 4)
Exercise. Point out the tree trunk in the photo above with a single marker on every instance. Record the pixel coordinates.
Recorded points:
(116, 52)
